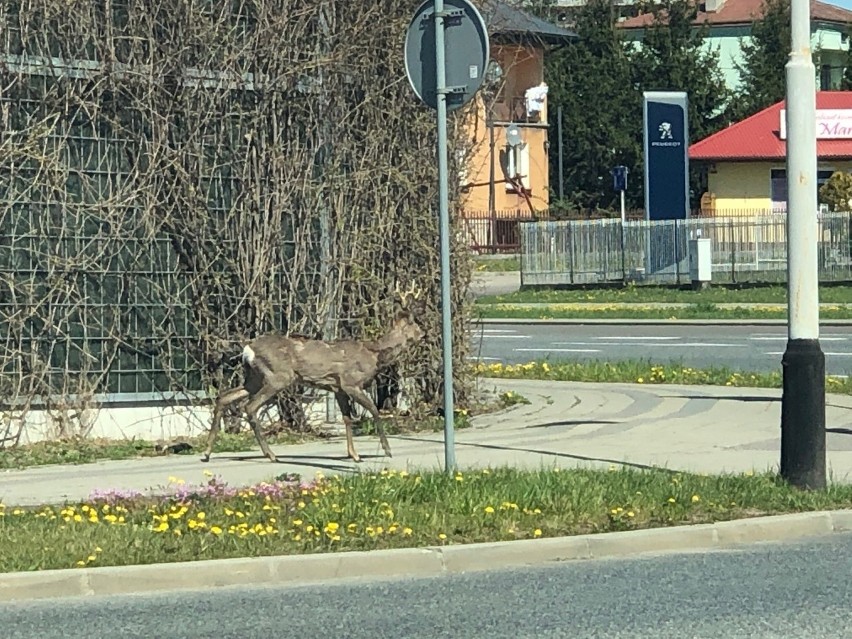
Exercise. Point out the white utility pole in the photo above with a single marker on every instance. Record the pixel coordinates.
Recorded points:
(803, 363)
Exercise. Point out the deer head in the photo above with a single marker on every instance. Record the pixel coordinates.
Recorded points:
(408, 305)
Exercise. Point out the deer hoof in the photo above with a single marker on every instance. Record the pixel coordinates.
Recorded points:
(205, 457)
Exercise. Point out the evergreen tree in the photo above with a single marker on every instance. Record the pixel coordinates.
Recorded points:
(846, 81)
(673, 56)
(762, 73)
(591, 80)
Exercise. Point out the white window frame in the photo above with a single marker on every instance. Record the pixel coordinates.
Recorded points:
(518, 165)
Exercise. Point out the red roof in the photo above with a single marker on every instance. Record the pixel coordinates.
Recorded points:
(758, 137)
(745, 12)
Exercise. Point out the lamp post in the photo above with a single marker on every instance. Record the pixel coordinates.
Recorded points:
(803, 363)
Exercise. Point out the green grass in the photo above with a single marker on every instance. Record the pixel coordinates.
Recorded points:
(497, 264)
(700, 310)
(644, 372)
(385, 510)
(88, 450)
(640, 294)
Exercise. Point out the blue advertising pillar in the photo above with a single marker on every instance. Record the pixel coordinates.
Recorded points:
(666, 135)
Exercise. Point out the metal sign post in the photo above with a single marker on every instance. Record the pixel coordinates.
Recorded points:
(446, 82)
(619, 184)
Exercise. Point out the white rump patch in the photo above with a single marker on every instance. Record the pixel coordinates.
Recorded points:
(248, 354)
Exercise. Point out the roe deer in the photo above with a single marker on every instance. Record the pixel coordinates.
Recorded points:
(273, 362)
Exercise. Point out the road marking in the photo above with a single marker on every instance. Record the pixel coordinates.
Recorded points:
(832, 354)
(682, 344)
(509, 337)
(483, 359)
(556, 350)
(627, 337)
(784, 338)
(616, 344)
(498, 330)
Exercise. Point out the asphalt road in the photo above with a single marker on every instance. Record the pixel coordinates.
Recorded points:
(768, 591)
(752, 348)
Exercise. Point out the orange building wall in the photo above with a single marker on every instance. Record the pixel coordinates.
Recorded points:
(523, 68)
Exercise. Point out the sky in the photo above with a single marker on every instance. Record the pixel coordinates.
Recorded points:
(846, 4)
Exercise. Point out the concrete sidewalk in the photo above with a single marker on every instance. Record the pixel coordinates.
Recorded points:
(692, 428)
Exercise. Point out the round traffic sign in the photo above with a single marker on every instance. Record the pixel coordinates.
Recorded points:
(466, 52)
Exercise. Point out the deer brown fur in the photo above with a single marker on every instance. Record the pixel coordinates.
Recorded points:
(272, 363)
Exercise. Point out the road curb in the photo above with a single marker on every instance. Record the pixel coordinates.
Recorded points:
(654, 322)
(414, 562)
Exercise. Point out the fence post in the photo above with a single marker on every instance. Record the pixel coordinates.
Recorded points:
(733, 253)
(676, 254)
(571, 250)
(521, 251)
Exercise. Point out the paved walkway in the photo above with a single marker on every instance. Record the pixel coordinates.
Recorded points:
(693, 428)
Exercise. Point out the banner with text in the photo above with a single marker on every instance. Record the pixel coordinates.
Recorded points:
(666, 178)
(666, 157)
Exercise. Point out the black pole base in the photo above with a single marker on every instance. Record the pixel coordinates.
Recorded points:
(803, 414)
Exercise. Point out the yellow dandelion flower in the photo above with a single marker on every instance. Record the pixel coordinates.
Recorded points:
(216, 530)
(489, 509)
(442, 536)
(537, 532)
(695, 499)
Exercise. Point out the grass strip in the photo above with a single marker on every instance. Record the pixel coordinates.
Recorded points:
(612, 311)
(83, 450)
(840, 294)
(644, 372)
(497, 264)
(384, 510)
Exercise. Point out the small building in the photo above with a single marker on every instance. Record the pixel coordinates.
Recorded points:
(746, 162)
(500, 176)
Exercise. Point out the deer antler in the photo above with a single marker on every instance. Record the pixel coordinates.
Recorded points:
(412, 293)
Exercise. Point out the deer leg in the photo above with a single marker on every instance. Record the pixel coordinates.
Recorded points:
(345, 407)
(362, 398)
(224, 400)
(263, 395)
